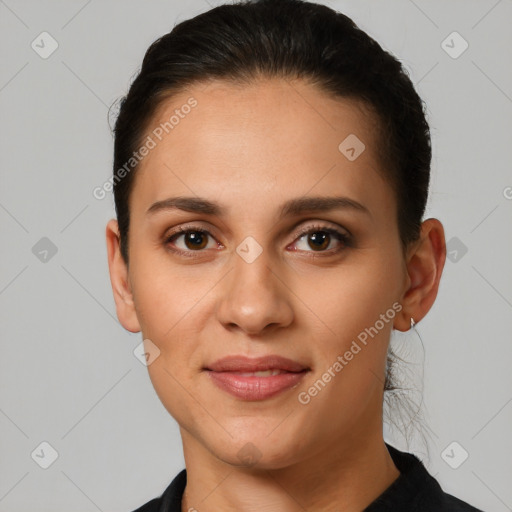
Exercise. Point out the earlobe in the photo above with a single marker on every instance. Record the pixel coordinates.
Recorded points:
(425, 263)
(119, 279)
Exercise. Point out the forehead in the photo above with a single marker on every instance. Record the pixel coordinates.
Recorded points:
(274, 136)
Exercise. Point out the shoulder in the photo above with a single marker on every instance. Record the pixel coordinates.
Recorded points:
(436, 500)
(170, 500)
(415, 490)
(455, 505)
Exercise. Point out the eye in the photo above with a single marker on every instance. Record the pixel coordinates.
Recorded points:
(190, 239)
(187, 240)
(321, 239)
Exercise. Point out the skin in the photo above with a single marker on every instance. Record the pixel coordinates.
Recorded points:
(250, 149)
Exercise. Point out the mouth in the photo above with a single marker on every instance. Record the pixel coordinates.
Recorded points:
(255, 379)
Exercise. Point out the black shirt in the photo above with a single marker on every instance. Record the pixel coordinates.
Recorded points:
(415, 490)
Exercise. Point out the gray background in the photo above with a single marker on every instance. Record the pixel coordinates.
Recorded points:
(68, 374)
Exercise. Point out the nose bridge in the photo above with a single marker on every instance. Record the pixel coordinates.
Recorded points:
(252, 268)
(253, 296)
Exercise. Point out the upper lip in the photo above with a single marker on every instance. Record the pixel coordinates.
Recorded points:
(248, 364)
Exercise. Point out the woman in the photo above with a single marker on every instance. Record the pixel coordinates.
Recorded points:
(271, 171)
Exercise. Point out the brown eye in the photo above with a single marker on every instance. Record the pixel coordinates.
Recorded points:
(322, 239)
(319, 240)
(195, 240)
(189, 240)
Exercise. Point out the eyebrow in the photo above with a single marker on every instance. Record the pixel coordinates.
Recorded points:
(292, 207)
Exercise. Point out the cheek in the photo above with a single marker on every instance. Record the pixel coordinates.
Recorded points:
(351, 342)
(349, 312)
(345, 300)
(173, 389)
(167, 302)
(173, 305)
(164, 296)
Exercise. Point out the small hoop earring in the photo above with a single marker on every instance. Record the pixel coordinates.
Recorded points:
(413, 323)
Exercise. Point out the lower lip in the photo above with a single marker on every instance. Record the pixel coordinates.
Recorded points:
(255, 388)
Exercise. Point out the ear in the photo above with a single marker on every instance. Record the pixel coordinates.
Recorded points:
(425, 262)
(119, 279)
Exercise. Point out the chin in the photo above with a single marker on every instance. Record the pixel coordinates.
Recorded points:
(257, 450)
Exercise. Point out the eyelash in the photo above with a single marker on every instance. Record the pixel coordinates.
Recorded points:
(345, 239)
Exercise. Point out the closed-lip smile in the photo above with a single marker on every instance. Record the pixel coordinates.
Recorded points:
(255, 378)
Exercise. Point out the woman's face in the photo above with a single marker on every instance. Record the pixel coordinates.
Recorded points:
(246, 279)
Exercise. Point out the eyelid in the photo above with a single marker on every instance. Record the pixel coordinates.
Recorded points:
(183, 229)
(321, 226)
(343, 234)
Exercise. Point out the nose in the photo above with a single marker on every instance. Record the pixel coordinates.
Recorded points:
(255, 298)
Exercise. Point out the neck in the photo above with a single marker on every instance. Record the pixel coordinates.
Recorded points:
(345, 479)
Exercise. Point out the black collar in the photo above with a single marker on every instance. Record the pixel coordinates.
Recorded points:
(414, 490)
